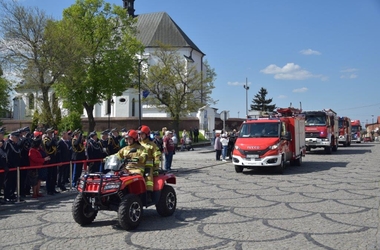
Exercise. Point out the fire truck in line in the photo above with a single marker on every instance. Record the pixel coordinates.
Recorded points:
(356, 129)
(321, 130)
(272, 141)
(345, 131)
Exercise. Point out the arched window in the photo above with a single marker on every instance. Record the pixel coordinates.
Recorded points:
(31, 101)
(133, 107)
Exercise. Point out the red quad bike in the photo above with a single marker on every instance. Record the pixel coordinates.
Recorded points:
(123, 192)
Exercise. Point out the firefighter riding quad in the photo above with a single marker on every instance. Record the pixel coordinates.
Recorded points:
(123, 192)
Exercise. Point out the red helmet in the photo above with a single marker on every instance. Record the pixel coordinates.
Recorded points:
(132, 133)
(144, 129)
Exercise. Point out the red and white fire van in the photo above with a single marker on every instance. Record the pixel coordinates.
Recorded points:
(271, 141)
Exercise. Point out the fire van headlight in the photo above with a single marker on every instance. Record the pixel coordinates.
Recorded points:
(112, 185)
(275, 146)
(240, 150)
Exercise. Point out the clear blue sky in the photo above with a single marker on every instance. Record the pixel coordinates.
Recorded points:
(322, 53)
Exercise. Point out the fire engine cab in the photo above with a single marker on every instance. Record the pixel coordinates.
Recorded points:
(321, 130)
(356, 129)
(271, 141)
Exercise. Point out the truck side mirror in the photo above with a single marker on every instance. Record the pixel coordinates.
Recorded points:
(287, 136)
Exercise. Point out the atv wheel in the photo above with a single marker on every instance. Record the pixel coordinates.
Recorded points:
(83, 213)
(238, 169)
(168, 201)
(130, 212)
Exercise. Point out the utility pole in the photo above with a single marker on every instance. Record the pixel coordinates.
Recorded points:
(246, 96)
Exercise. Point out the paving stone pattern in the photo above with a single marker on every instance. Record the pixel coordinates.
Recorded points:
(330, 202)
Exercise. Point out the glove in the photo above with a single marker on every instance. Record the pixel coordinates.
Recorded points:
(135, 160)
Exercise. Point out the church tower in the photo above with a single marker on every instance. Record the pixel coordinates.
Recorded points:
(129, 5)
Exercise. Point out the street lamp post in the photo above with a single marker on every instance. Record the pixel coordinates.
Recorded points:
(246, 87)
(139, 69)
(109, 103)
(372, 119)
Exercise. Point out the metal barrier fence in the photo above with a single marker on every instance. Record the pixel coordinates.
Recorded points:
(18, 169)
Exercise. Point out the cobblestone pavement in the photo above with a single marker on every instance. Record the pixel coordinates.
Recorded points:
(330, 202)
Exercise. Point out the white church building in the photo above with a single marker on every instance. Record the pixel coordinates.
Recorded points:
(152, 27)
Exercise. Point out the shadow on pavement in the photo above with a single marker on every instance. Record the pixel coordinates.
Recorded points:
(151, 221)
(341, 151)
(29, 204)
(306, 168)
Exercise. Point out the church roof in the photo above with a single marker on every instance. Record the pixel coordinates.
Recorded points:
(159, 26)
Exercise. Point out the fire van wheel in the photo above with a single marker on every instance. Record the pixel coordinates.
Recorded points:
(168, 201)
(298, 162)
(308, 149)
(130, 212)
(83, 213)
(238, 169)
(328, 149)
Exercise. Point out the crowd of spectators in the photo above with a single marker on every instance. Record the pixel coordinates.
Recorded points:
(45, 156)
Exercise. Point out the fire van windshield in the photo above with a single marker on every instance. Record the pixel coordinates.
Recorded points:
(313, 120)
(258, 130)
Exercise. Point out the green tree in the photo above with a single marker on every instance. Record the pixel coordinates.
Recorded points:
(35, 120)
(176, 87)
(260, 103)
(22, 33)
(72, 121)
(4, 93)
(100, 56)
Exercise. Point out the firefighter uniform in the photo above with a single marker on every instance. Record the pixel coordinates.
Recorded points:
(138, 158)
(153, 156)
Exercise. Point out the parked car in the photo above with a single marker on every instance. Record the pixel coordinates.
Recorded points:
(367, 139)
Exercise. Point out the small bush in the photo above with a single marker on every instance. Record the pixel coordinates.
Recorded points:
(72, 121)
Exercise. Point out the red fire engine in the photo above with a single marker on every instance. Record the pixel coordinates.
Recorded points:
(356, 129)
(321, 130)
(271, 141)
(344, 131)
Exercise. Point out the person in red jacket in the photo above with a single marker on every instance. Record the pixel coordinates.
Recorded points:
(36, 159)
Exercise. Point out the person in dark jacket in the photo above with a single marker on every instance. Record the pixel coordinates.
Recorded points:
(79, 154)
(24, 144)
(13, 161)
(3, 159)
(50, 144)
(64, 157)
(94, 152)
(196, 134)
(104, 143)
(114, 141)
